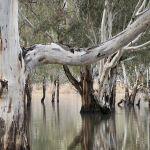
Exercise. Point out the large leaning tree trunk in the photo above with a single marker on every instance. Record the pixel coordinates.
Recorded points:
(12, 103)
(13, 71)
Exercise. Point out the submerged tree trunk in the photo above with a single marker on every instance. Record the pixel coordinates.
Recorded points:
(112, 87)
(134, 90)
(125, 82)
(13, 127)
(28, 91)
(89, 103)
(108, 91)
(148, 85)
(53, 90)
(44, 90)
(85, 88)
(57, 83)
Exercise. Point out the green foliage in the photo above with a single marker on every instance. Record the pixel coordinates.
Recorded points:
(71, 23)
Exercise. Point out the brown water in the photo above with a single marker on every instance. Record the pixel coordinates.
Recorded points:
(61, 127)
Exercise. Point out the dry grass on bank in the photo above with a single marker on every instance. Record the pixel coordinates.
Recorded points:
(64, 89)
(69, 89)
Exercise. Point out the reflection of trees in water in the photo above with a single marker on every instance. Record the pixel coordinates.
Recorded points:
(134, 121)
(101, 132)
(44, 114)
(96, 133)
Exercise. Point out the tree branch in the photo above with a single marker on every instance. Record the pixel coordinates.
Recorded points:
(107, 68)
(135, 48)
(61, 54)
(73, 81)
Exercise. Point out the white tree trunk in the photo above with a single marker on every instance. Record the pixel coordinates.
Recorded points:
(12, 105)
(148, 78)
(125, 82)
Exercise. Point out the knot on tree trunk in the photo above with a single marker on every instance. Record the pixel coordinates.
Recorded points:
(3, 85)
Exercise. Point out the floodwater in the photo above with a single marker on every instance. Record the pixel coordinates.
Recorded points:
(61, 127)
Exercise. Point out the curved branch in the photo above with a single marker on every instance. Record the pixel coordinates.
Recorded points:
(61, 54)
(73, 81)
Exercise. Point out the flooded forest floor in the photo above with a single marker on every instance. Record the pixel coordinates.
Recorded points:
(59, 126)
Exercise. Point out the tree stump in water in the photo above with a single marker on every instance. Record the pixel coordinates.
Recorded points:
(53, 91)
(57, 83)
(44, 89)
(28, 91)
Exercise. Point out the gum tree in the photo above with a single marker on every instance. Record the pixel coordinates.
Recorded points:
(16, 64)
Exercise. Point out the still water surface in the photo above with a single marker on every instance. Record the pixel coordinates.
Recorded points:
(61, 127)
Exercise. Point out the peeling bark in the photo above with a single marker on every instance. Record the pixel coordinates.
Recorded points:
(12, 104)
(3, 86)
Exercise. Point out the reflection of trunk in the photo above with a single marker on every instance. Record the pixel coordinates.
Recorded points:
(113, 139)
(28, 91)
(87, 132)
(86, 135)
(53, 90)
(44, 89)
(44, 114)
(135, 117)
(125, 129)
(107, 136)
(90, 139)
